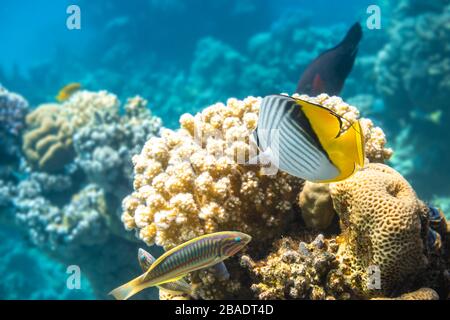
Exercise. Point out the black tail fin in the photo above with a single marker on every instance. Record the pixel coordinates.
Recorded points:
(353, 36)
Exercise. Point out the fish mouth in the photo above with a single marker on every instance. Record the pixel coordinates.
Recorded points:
(236, 247)
(235, 250)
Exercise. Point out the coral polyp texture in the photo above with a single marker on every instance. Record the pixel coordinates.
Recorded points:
(381, 220)
(299, 270)
(414, 67)
(316, 205)
(13, 109)
(105, 146)
(190, 182)
(47, 143)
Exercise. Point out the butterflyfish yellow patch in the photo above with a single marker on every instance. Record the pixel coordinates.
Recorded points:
(307, 140)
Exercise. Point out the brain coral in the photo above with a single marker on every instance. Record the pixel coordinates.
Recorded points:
(421, 294)
(380, 217)
(47, 143)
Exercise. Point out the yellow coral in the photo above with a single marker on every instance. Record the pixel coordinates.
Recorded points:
(381, 220)
(189, 182)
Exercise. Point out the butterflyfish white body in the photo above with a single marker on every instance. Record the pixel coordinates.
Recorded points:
(307, 140)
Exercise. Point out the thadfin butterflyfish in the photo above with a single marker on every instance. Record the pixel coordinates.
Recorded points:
(168, 270)
(308, 140)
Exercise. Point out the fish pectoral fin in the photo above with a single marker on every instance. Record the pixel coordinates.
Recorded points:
(263, 158)
(145, 259)
(221, 271)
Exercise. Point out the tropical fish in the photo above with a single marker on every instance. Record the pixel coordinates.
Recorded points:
(146, 260)
(327, 73)
(198, 253)
(67, 91)
(307, 140)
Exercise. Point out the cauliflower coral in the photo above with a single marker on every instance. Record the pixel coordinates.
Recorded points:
(190, 182)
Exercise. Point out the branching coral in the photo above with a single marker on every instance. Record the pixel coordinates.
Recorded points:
(380, 217)
(54, 228)
(104, 147)
(189, 182)
(13, 109)
(75, 210)
(299, 270)
(414, 67)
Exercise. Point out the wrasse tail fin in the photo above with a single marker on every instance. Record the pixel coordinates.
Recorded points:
(130, 288)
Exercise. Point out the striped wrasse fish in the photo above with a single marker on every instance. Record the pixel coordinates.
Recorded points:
(146, 260)
(307, 140)
(198, 253)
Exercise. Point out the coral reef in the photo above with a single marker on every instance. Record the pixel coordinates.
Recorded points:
(13, 109)
(48, 142)
(104, 148)
(380, 217)
(299, 270)
(73, 214)
(195, 181)
(269, 59)
(414, 79)
(189, 182)
(316, 205)
(413, 68)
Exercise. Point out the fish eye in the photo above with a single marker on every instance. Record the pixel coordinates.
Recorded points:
(237, 239)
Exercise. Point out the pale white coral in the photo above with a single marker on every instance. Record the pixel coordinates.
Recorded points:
(82, 106)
